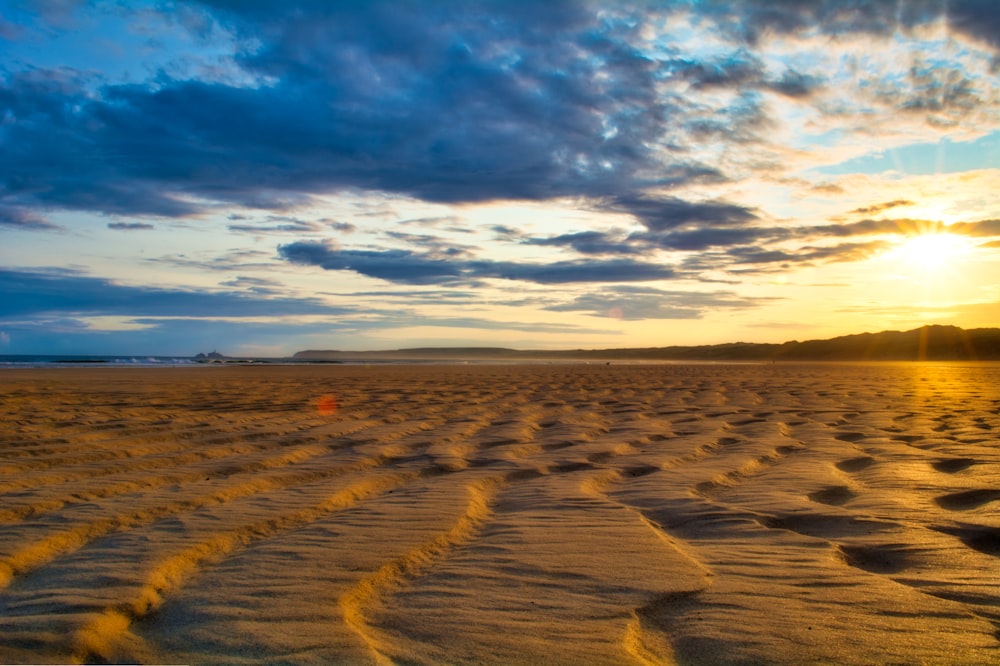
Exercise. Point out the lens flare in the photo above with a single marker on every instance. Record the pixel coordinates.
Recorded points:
(326, 405)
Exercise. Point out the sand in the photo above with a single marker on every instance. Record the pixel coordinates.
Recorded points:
(560, 514)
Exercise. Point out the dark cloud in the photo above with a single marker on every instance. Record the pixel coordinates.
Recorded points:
(130, 226)
(163, 337)
(943, 95)
(689, 240)
(694, 240)
(432, 246)
(442, 101)
(508, 233)
(259, 286)
(720, 248)
(878, 208)
(431, 295)
(807, 255)
(19, 218)
(978, 19)
(406, 267)
(659, 213)
(638, 303)
(828, 188)
(9, 31)
(590, 242)
(60, 150)
(869, 227)
(393, 96)
(400, 266)
(566, 272)
(938, 89)
(741, 70)
(751, 20)
(982, 228)
(733, 71)
(282, 225)
(448, 221)
(343, 227)
(904, 227)
(234, 260)
(796, 84)
(29, 293)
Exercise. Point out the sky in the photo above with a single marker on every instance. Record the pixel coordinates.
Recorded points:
(260, 177)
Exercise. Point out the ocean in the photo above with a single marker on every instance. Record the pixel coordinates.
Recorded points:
(85, 360)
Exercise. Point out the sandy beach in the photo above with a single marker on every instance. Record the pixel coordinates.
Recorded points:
(507, 514)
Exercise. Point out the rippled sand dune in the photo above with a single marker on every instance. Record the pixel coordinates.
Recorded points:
(560, 514)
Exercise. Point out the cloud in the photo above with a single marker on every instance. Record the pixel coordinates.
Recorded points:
(343, 227)
(768, 247)
(233, 260)
(978, 19)
(807, 255)
(943, 95)
(589, 242)
(163, 337)
(671, 223)
(387, 96)
(751, 20)
(130, 226)
(982, 228)
(278, 224)
(694, 240)
(432, 246)
(904, 227)
(25, 220)
(732, 71)
(9, 31)
(689, 240)
(351, 107)
(31, 293)
(638, 303)
(283, 226)
(796, 84)
(255, 285)
(827, 188)
(404, 96)
(407, 267)
(660, 213)
(878, 208)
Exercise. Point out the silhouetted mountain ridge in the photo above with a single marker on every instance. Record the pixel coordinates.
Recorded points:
(927, 343)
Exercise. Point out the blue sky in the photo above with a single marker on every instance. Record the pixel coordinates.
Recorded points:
(261, 177)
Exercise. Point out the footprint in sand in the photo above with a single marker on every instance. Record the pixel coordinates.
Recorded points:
(639, 470)
(852, 465)
(952, 465)
(986, 540)
(967, 499)
(833, 495)
(876, 559)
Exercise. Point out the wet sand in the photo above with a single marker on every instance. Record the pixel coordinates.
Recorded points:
(560, 514)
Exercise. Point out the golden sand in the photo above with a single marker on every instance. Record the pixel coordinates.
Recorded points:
(561, 514)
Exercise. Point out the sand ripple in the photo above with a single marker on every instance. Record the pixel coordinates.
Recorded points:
(501, 514)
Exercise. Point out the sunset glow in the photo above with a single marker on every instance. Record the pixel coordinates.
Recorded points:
(266, 177)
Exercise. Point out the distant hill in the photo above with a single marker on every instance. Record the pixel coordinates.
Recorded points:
(927, 343)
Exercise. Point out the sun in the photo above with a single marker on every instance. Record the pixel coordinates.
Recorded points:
(932, 252)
